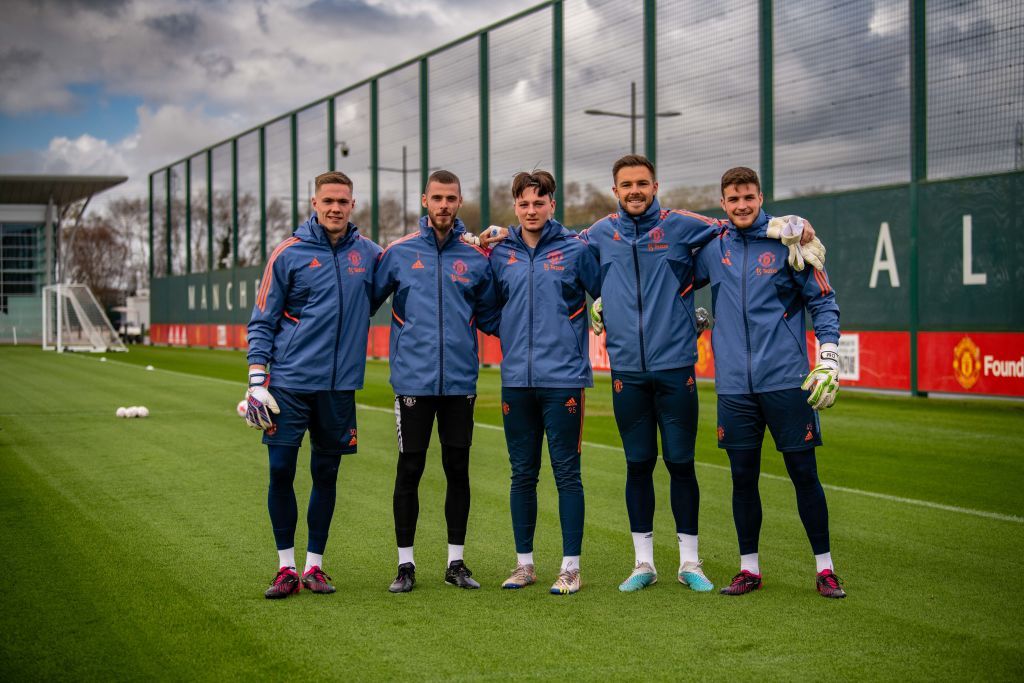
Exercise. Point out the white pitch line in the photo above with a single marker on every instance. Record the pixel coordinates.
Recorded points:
(830, 487)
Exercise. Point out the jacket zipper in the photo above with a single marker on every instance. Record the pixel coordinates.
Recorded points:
(440, 320)
(341, 308)
(639, 297)
(746, 323)
(529, 357)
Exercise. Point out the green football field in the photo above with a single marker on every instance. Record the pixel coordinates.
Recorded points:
(141, 548)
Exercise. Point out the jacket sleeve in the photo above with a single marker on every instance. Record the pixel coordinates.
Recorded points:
(384, 282)
(701, 270)
(266, 314)
(585, 238)
(487, 307)
(820, 300)
(701, 229)
(589, 270)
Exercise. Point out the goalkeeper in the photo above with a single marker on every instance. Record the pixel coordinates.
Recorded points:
(761, 366)
(307, 356)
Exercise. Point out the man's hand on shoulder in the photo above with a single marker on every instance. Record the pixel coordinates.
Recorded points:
(798, 235)
(487, 237)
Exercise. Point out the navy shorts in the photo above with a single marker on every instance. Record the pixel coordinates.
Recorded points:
(329, 416)
(648, 402)
(742, 418)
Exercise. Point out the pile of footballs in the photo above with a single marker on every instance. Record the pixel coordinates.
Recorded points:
(133, 411)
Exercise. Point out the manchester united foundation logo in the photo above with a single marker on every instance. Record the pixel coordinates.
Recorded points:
(967, 362)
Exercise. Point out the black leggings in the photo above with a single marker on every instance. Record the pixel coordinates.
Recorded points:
(407, 502)
(746, 499)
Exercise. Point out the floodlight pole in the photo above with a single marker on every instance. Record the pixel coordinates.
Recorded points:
(632, 115)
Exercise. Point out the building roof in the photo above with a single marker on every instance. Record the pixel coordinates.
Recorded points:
(63, 189)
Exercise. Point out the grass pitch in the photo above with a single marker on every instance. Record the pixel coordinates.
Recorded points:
(140, 548)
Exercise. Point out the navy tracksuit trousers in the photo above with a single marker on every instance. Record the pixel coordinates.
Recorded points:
(529, 414)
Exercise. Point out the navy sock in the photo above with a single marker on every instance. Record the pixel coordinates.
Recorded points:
(324, 468)
(284, 512)
(685, 496)
(640, 495)
(810, 497)
(746, 498)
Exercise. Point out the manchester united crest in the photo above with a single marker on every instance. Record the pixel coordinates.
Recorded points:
(967, 362)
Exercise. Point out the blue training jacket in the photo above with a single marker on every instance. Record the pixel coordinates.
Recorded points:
(442, 294)
(759, 305)
(647, 285)
(545, 336)
(312, 311)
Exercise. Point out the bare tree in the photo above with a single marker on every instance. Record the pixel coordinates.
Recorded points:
(97, 258)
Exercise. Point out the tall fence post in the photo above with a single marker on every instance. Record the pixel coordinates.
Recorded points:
(151, 226)
(263, 193)
(209, 210)
(651, 80)
(424, 129)
(294, 120)
(374, 163)
(167, 176)
(767, 101)
(331, 143)
(558, 104)
(918, 163)
(485, 131)
(234, 202)
(188, 215)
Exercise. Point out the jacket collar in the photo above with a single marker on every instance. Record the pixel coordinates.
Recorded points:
(644, 222)
(312, 231)
(758, 229)
(551, 231)
(427, 232)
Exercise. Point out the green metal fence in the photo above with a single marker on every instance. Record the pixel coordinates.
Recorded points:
(879, 100)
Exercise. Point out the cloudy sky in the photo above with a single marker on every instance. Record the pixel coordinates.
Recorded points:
(125, 86)
(128, 86)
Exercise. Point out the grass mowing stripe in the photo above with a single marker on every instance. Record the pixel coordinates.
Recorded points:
(184, 492)
(902, 500)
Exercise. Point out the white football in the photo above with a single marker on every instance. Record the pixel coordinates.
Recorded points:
(240, 408)
(103, 359)
(143, 411)
(122, 412)
(132, 411)
(150, 367)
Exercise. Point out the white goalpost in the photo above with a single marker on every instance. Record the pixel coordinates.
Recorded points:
(74, 321)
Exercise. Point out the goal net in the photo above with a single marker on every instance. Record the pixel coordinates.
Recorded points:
(74, 321)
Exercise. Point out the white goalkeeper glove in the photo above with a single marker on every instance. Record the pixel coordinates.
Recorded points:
(823, 380)
(704, 321)
(597, 316)
(789, 229)
(814, 253)
(470, 238)
(259, 403)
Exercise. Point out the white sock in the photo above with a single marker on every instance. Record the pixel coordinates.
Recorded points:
(313, 560)
(286, 557)
(643, 546)
(405, 555)
(824, 561)
(749, 563)
(570, 562)
(687, 549)
(524, 558)
(455, 552)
